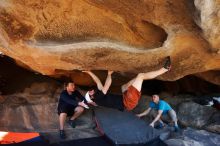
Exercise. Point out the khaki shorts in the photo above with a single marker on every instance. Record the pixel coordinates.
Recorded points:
(171, 116)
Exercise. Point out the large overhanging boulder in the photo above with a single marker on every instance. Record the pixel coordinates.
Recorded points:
(54, 37)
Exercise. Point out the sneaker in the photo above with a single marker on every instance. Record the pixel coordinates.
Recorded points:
(176, 128)
(160, 126)
(167, 63)
(62, 134)
(72, 123)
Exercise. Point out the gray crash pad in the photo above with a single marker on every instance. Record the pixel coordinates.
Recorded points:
(124, 128)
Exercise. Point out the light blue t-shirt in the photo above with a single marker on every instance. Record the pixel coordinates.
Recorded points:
(162, 105)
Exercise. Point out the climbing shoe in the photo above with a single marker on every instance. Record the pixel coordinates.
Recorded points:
(167, 63)
(160, 126)
(176, 128)
(62, 134)
(72, 123)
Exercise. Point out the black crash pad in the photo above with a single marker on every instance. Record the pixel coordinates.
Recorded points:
(124, 128)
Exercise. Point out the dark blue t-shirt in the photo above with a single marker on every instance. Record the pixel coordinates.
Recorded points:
(71, 99)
